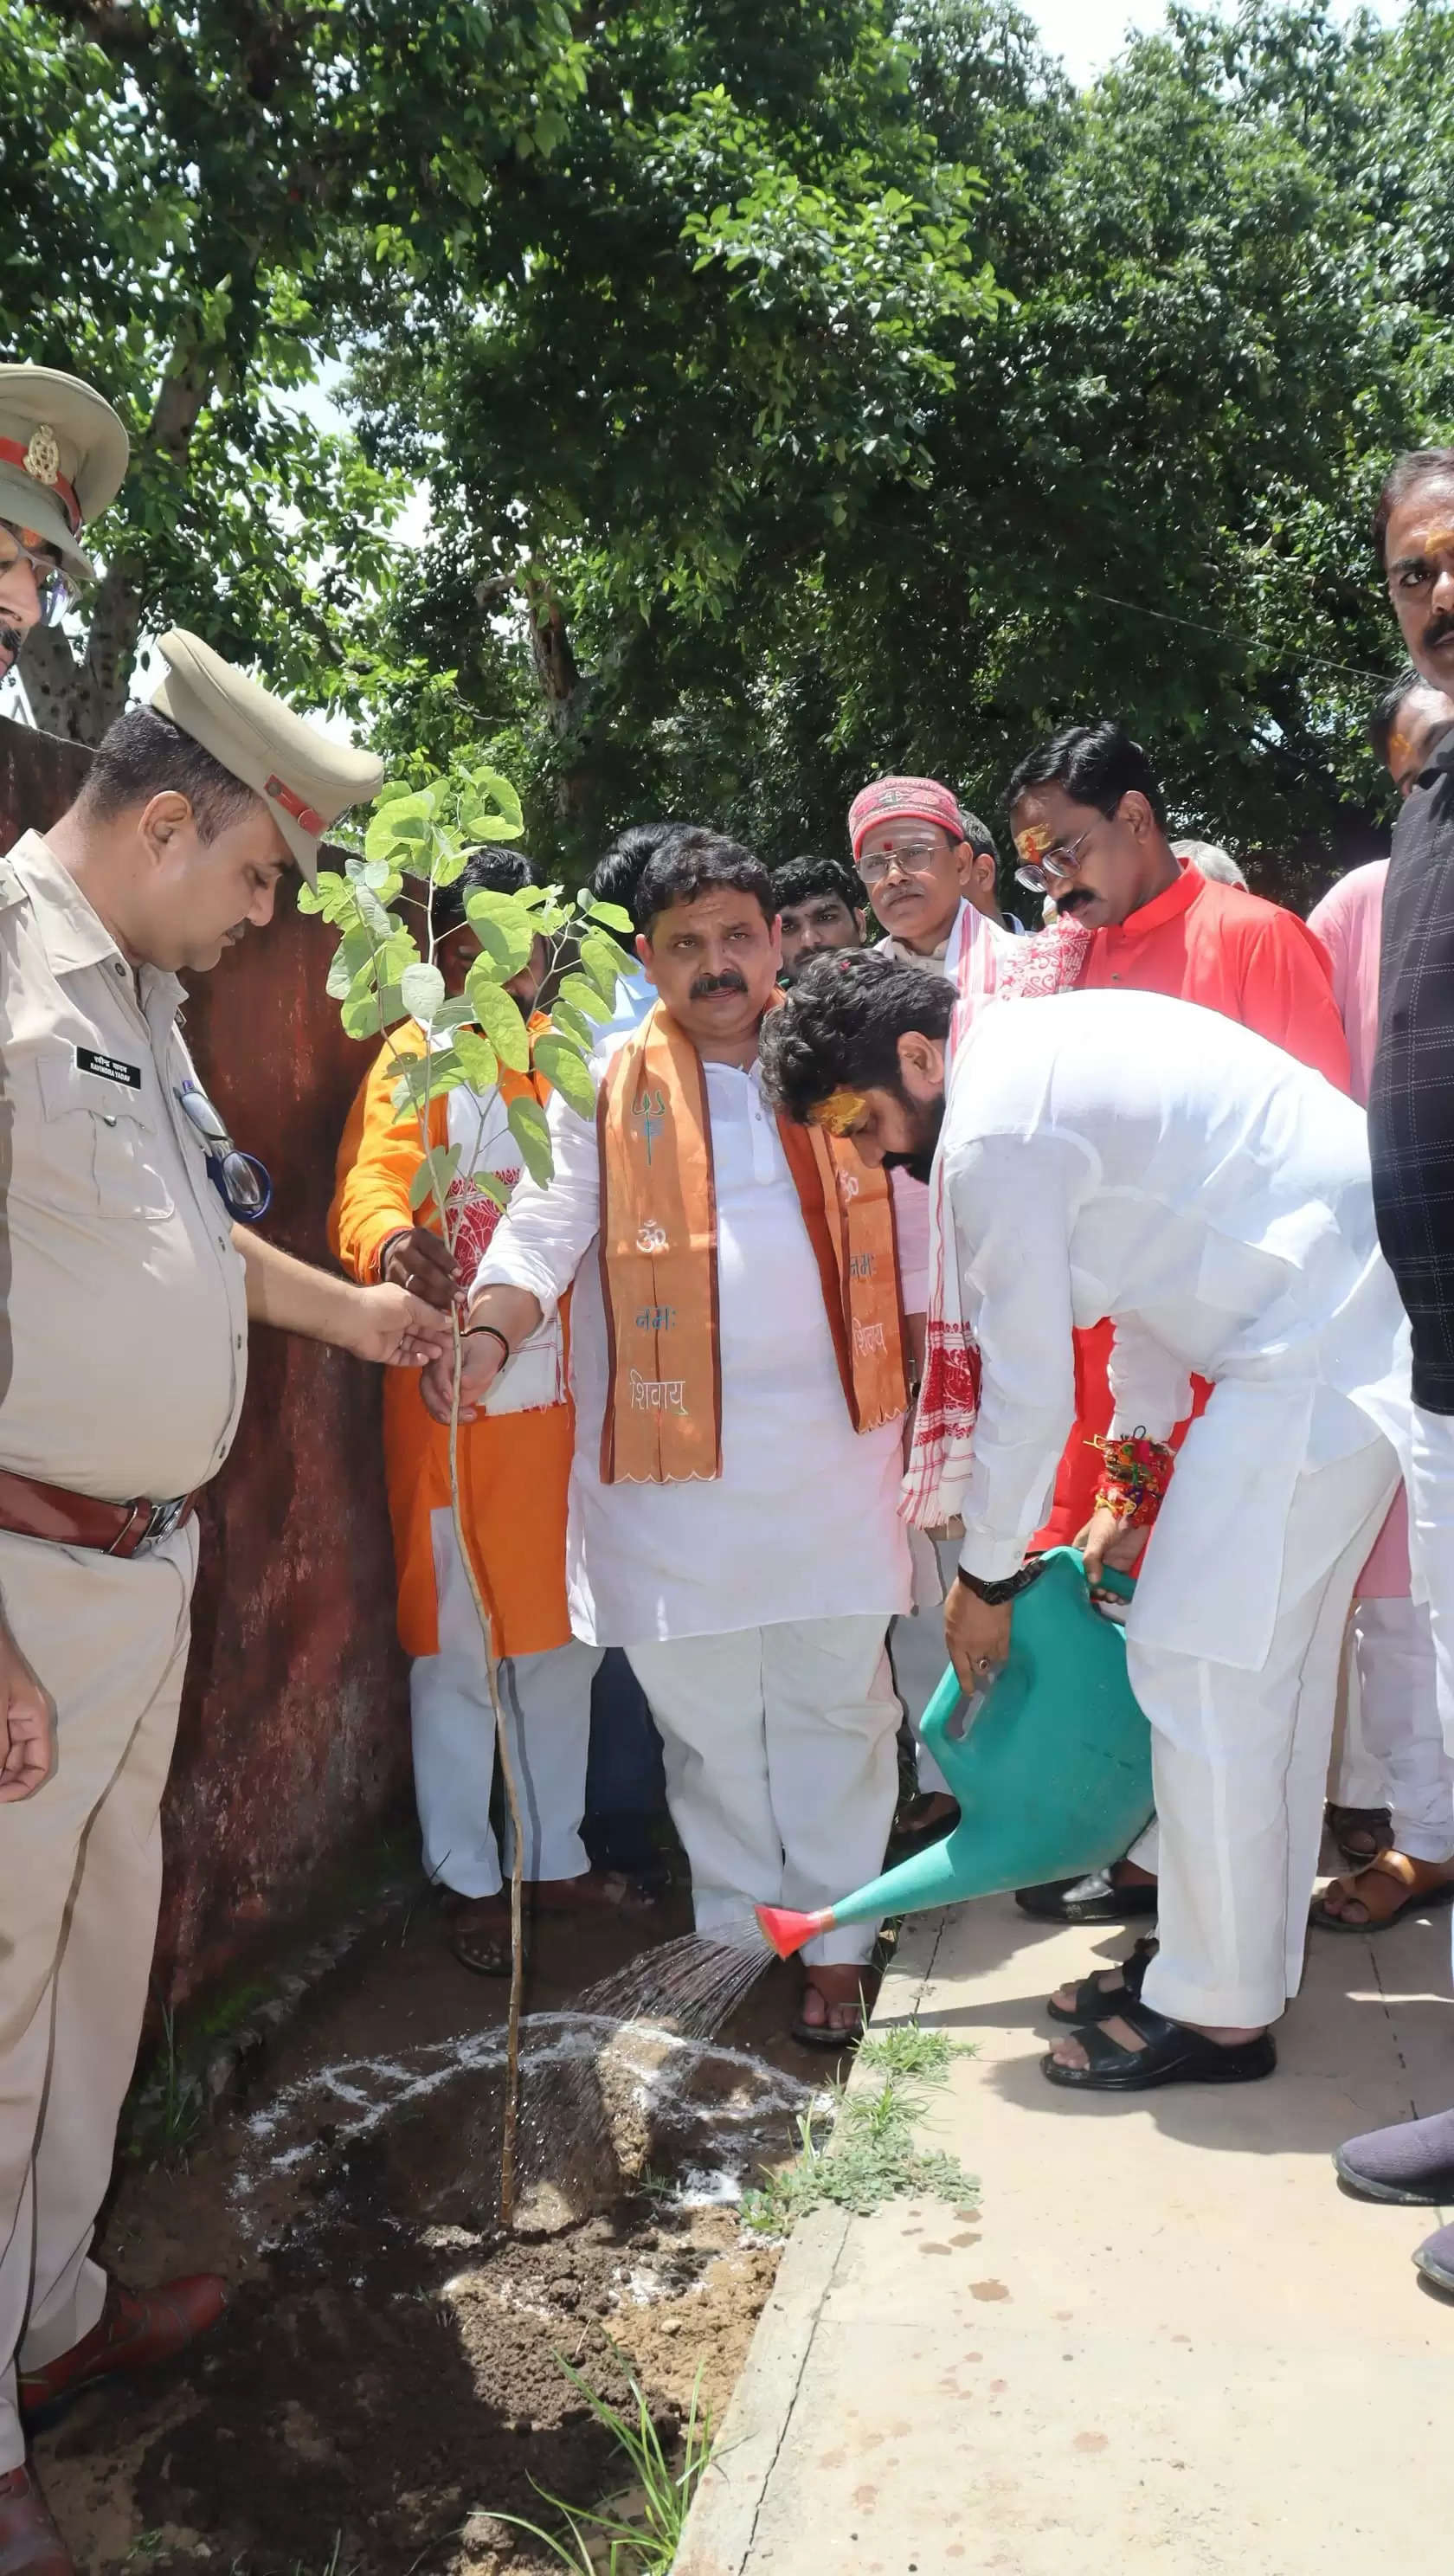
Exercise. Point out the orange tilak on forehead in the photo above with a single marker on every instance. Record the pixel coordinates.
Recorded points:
(840, 1112)
(1033, 842)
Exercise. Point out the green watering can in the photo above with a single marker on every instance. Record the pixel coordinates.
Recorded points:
(1051, 1764)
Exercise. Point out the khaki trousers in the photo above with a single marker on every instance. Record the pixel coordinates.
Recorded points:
(80, 1880)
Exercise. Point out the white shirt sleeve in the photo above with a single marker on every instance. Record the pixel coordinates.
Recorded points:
(546, 1232)
(1014, 1202)
(1150, 1389)
(911, 1232)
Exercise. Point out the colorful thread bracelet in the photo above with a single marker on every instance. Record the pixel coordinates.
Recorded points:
(1138, 1472)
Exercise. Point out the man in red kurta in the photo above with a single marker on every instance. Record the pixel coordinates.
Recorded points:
(1090, 829)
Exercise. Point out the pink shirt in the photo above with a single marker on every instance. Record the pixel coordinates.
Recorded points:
(1349, 922)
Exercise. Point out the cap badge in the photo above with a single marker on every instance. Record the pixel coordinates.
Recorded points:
(43, 457)
(303, 815)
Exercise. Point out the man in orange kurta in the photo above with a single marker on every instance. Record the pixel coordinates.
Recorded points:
(514, 1471)
(1089, 829)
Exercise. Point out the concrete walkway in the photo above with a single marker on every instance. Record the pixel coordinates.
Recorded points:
(1167, 2342)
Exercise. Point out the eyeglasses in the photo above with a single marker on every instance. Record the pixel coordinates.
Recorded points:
(914, 860)
(244, 1185)
(1044, 874)
(55, 588)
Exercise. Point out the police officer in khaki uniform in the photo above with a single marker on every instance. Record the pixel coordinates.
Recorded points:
(122, 1360)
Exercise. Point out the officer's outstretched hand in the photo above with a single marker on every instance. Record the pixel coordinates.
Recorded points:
(397, 1329)
(27, 1726)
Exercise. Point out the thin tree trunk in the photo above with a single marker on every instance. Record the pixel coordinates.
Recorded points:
(512, 1800)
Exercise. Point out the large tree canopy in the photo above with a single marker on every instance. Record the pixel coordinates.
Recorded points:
(834, 501)
(203, 204)
(796, 391)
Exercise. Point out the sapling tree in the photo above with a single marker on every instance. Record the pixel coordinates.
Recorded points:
(386, 976)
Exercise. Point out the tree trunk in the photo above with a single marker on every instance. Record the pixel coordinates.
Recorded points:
(568, 694)
(79, 695)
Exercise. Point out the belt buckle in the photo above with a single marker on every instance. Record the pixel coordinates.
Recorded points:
(164, 1518)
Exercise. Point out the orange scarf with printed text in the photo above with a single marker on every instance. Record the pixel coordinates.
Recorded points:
(663, 1422)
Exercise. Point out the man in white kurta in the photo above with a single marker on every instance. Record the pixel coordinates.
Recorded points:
(1122, 1155)
(753, 1603)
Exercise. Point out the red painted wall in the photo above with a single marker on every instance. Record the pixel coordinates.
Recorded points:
(294, 1737)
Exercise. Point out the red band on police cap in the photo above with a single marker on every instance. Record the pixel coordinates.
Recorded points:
(303, 815)
(918, 800)
(12, 453)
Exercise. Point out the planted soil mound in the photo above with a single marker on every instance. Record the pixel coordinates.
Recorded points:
(388, 2375)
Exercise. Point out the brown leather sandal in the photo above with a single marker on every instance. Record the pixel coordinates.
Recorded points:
(1422, 1883)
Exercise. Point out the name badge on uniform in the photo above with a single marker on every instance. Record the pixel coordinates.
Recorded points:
(109, 1068)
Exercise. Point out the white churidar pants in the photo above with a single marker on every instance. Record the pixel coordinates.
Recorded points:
(781, 1771)
(1402, 1738)
(80, 1882)
(1357, 1778)
(1431, 1538)
(1240, 1764)
(919, 1655)
(547, 1702)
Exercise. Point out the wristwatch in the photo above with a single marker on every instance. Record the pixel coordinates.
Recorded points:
(994, 1594)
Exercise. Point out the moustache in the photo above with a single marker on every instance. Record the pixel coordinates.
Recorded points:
(706, 985)
(1438, 631)
(11, 639)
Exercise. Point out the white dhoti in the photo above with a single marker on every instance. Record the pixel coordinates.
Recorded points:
(547, 1704)
(781, 1771)
(1240, 1760)
(80, 1881)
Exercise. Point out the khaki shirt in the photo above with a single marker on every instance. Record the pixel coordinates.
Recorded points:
(123, 1350)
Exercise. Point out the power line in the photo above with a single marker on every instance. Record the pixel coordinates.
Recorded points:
(1224, 635)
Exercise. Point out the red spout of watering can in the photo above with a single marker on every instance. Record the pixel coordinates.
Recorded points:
(787, 1931)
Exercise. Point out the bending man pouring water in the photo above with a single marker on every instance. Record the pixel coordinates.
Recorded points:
(1120, 1155)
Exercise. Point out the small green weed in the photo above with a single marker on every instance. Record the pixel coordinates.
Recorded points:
(870, 2151)
(166, 2112)
(908, 2050)
(146, 2545)
(606, 2543)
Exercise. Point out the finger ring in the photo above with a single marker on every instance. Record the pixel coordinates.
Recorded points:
(983, 1665)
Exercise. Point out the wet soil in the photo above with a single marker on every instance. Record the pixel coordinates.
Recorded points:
(388, 2376)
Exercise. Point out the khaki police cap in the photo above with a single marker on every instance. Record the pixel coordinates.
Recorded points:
(308, 779)
(63, 453)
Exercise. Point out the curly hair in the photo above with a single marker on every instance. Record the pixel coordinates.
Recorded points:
(839, 1028)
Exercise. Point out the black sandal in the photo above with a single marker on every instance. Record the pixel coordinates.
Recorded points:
(1360, 1833)
(481, 1945)
(1173, 2055)
(1095, 1898)
(1097, 2003)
